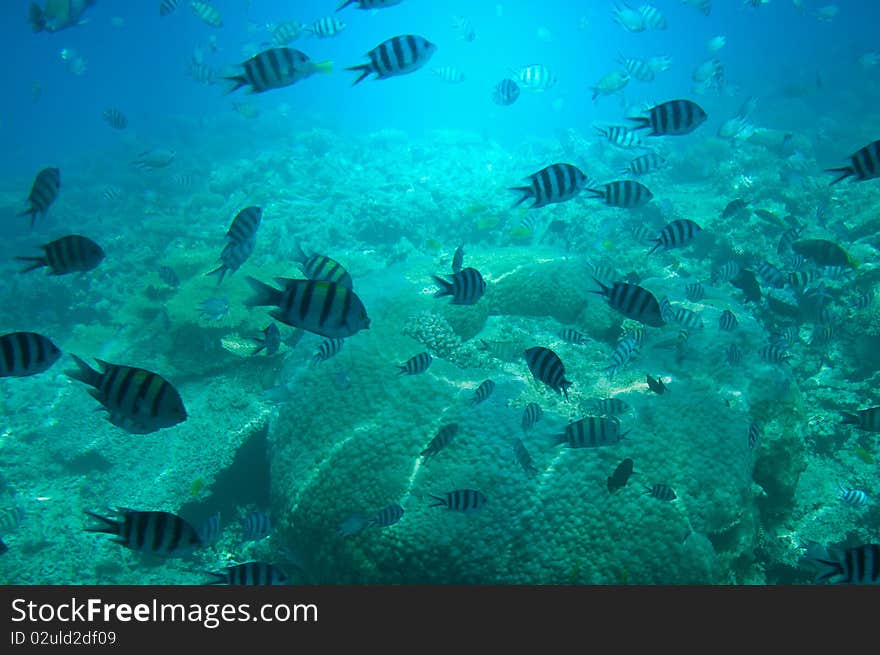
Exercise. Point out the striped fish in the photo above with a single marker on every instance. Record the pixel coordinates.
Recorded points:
(505, 93)
(398, 55)
(788, 237)
(637, 68)
(687, 318)
(44, 192)
(661, 492)
(864, 164)
(270, 341)
(449, 74)
(168, 7)
(654, 18)
(369, 4)
(483, 392)
(726, 272)
(754, 434)
(326, 350)
(137, 400)
(623, 193)
(207, 13)
(727, 321)
(250, 574)
(245, 224)
(522, 457)
(864, 419)
(256, 526)
(531, 415)
(10, 519)
(460, 500)
(210, 529)
(324, 308)
(676, 234)
(416, 364)
(150, 533)
(555, 183)
(546, 367)
(466, 287)
(591, 432)
(771, 275)
(115, 118)
(797, 262)
(570, 335)
(673, 118)
(852, 497)
(111, 193)
(621, 136)
(26, 353)
(321, 267)
(70, 254)
(774, 354)
(733, 355)
(285, 32)
(610, 406)
(443, 438)
(862, 300)
(233, 255)
(694, 291)
(387, 516)
(536, 77)
(276, 68)
(799, 280)
(458, 259)
(858, 565)
(326, 27)
(633, 301)
(623, 352)
(636, 332)
(644, 164)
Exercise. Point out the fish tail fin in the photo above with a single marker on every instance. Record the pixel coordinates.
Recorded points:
(656, 245)
(36, 18)
(108, 525)
(564, 385)
(849, 418)
(84, 372)
(642, 121)
(259, 348)
(446, 287)
(604, 291)
(325, 67)
(829, 568)
(30, 212)
(219, 578)
(345, 4)
(238, 81)
(264, 294)
(221, 270)
(38, 262)
(300, 256)
(526, 192)
(595, 193)
(364, 69)
(845, 172)
(441, 502)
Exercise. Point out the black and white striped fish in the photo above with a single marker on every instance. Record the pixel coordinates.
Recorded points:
(591, 432)
(694, 291)
(727, 321)
(443, 438)
(321, 267)
(276, 68)
(610, 406)
(852, 497)
(536, 77)
(733, 355)
(210, 529)
(676, 234)
(506, 92)
(326, 350)
(570, 335)
(800, 280)
(623, 193)
(115, 118)
(449, 74)
(460, 500)
(111, 193)
(672, 118)
(660, 491)
(621, 136)
(858, 565)
(522, 457)
(326, 27)
(555, 183)
(256, 526)
(136, 400)
(285, 32)
(864, 419)
(151, 533)
(398, 55)
(637, 68)
(622, 354)
(270, 341)
(727, 271)
(862, 300)
(207, 13)
(324, 308)
(644, 164)
(44, 192)
(754, 434)
(774, 354)
(466, 287)
(797, 262)
(788, 237)
(546, 367)
(654, 18)
(369, 4)
(245, 224)
(633, 301)
(167, 7)
(770, 275)
(387, 516)
(233, 255)
(26, 353)
(483, 392)
(532, 413)
(864, 164)
(70, 254)
(250, 574)
(686, 318)
(416, 364)
(10, 519)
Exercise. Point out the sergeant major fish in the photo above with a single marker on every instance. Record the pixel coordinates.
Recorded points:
(44, 192)
(207, 13)
(466, 287)
(321, 267)
(276, 68)
(546, 367)
(441, 440)
(553, 184)
(460, 500)
(26, 353)
(250, 574)
(398, 55)
(591, 432)
(675, 118)
(70, 254)
(270, 341)
(369, 4)
(151, 533)
(416, 364)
